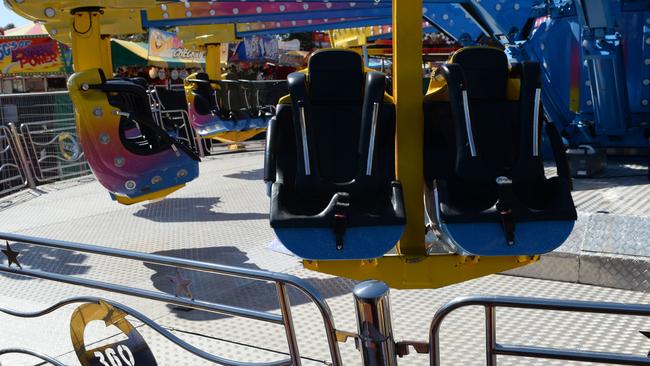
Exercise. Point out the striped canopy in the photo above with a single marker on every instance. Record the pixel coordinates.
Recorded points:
(34, 29)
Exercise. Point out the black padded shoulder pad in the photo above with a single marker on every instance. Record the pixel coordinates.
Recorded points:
(528, 166)
(374, 93)
(297, 83)
(301, 103)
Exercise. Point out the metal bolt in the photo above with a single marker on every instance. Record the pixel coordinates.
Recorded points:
(182, 173)
(157, 179)
(98, 112)
(130, 185)
(104, 138)
(119, 161)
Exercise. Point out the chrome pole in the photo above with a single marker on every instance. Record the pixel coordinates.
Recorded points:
(490, 336)
(285, 307)
(22, 156)
(375, 329)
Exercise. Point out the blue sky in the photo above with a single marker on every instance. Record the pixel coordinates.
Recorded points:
(7, 16)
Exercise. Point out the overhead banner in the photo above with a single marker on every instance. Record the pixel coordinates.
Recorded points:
(257, 48)
(25, 56)
(167, 45)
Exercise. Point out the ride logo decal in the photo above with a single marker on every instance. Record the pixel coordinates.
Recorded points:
(131, 351)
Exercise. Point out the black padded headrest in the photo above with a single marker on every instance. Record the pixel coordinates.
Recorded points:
(140, 81)
(486, 71)
(336, 76)
(202, 76)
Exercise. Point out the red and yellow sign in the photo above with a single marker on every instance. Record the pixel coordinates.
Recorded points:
(19, 56)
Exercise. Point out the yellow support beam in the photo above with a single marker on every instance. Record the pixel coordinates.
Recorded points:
(213, 61)
(407, 91)
(401, 272)
(107, 55)
(86, 36)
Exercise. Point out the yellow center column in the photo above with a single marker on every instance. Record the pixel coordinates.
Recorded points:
(213, 61)
(407, 92)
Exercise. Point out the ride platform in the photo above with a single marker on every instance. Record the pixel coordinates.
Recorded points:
(223, 218)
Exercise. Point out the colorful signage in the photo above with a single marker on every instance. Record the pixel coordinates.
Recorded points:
(167, 45)
(20, 56)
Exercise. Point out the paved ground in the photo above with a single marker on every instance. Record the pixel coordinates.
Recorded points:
(222, 218)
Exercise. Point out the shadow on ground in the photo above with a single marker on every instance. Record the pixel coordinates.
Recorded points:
(232, 291)
(256, 174)
(193, 209)
(49, 260)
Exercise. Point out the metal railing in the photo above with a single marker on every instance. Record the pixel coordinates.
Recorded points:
(35, 107)
(493, 349)
(280, 280)
(11, 177)
(53, 150)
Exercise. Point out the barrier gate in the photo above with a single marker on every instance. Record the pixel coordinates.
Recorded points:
(374, 337)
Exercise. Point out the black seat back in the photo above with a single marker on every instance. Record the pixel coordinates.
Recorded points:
(333, 109)
(204, 96)
(172, 99)
(498, 140)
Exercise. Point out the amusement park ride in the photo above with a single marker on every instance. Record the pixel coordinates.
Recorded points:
(472, 145)
(357, 172)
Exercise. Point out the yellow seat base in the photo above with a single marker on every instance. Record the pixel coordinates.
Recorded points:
(149, 196)
(231, 137)
(422, 272)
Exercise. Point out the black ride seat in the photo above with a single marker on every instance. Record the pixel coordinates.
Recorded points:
(330, 154)
(234, 100)
(138, 131)
(205, 98)
(131, 155)
(483, 162)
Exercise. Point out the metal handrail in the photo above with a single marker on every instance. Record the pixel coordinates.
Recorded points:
(490, 303)
(281, 281)
(35, 354)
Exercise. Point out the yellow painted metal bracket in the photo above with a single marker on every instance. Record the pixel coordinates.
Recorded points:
(404, 272)
(201, 35)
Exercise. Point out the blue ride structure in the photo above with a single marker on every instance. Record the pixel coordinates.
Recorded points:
(595, 58)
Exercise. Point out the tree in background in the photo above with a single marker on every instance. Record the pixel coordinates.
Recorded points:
(7, 27)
